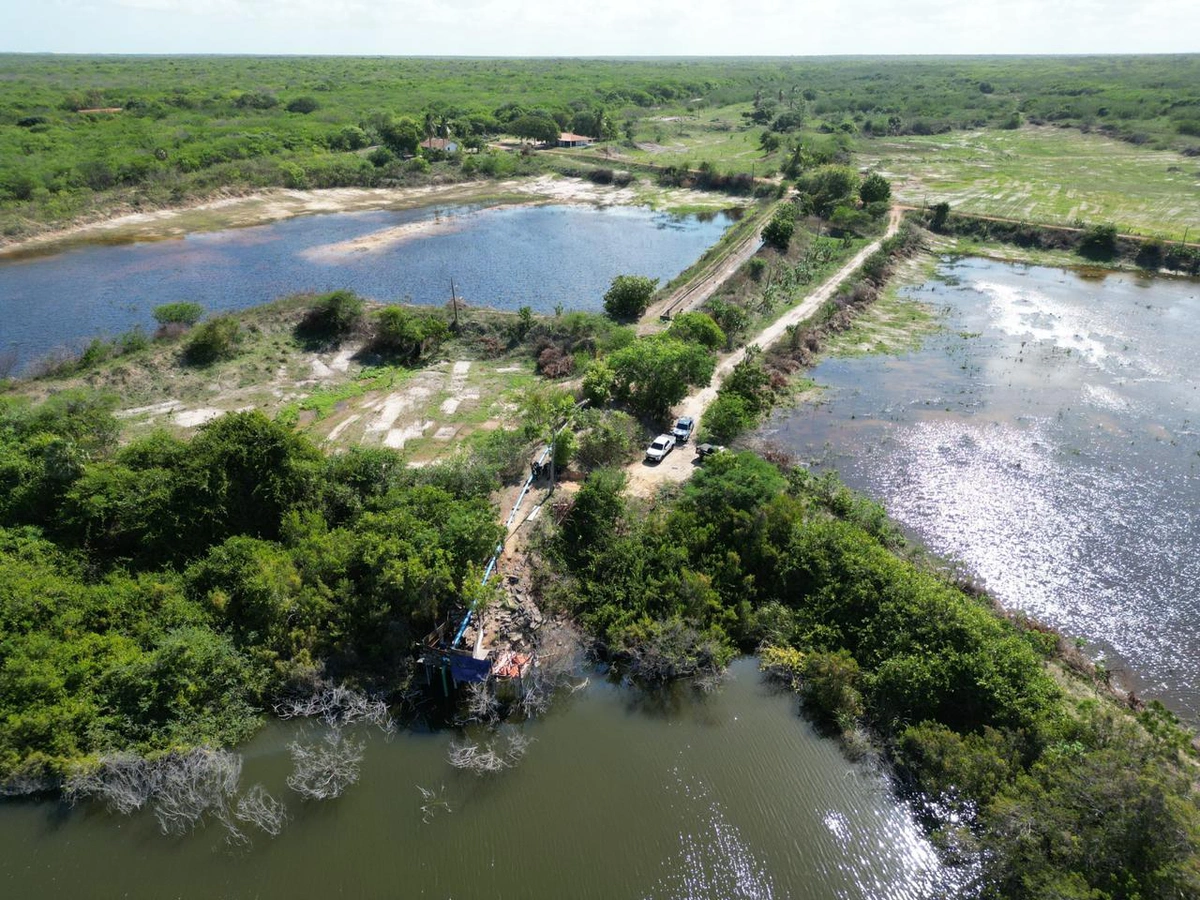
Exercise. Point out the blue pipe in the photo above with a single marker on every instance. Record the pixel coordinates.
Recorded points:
(491, 566)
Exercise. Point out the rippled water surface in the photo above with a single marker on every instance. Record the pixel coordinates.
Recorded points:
(1049, 438)
(504, 257)
(621, 795)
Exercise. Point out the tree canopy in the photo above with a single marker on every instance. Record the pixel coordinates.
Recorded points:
(536, 128)
(654, 373)
(628, 296)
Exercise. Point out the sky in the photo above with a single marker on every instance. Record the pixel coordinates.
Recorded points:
(600, 27)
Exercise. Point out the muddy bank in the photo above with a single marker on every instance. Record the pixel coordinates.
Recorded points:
(238, 210)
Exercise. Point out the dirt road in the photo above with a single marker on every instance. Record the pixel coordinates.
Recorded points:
(689, 296)
(645, 478)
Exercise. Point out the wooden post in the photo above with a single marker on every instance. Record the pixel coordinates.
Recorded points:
(454, 300)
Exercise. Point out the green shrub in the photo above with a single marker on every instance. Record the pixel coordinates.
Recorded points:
(1151, 254)
(830, 187)
(953, 768)
(830, 687)
(598, 384)
(654, 373)
(778, 232)
(606, 438)
(381, 157)
(731, 317)
(875, 189)
(94, 353)
(565, 445)
(215, 340)
(697, 328)
(333, 315)
(408, 335)
(1099, 242)
(183, 313)
(847, 220)
(941, 212)
(628, 296)
(727, 417)
(132, 341)
(303, 105)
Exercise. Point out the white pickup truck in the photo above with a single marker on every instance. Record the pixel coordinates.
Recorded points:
(660, 447)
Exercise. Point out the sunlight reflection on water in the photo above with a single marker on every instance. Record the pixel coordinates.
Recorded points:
(1047, 439)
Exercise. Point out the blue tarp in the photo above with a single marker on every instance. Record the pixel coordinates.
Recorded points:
(467, 668)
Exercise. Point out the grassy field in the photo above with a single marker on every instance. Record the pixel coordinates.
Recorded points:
(340, 397)
(719, 136)
(895, 323)
(1045, 174)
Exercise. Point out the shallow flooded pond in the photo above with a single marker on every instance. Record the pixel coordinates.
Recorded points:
(1049, 438)
(621, 795)
(505, 257)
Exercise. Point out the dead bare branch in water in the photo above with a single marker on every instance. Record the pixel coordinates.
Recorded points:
(433, 803)
(481, 703)
(257, 807)
(323, 771)
(197, 783)
(710, 683)
(337, 706)
(184, 789)
(486, 758)
(123, 782)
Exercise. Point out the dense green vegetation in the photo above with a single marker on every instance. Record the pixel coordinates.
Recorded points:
(159, 130)
(158, 595)
(1067, 793)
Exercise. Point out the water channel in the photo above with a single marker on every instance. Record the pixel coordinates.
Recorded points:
(1049, 438)
(622, 794)
(505, 257)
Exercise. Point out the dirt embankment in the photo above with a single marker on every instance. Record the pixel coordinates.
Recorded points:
(691, 295)
(644, 478)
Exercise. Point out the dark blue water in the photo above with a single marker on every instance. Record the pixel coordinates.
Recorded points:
(1048, 438)
(501, 257)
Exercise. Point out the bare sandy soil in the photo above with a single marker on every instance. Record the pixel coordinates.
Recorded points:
(279, 203)
(644, 479)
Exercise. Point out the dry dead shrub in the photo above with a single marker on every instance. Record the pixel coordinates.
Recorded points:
(554, 362)
(185, 791)
(324, 770)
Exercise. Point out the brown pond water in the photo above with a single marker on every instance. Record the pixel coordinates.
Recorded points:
(622, 794)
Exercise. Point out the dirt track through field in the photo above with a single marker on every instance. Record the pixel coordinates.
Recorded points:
(645, 478)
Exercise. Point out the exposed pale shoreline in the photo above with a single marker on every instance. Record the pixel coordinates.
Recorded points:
(276, 204)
